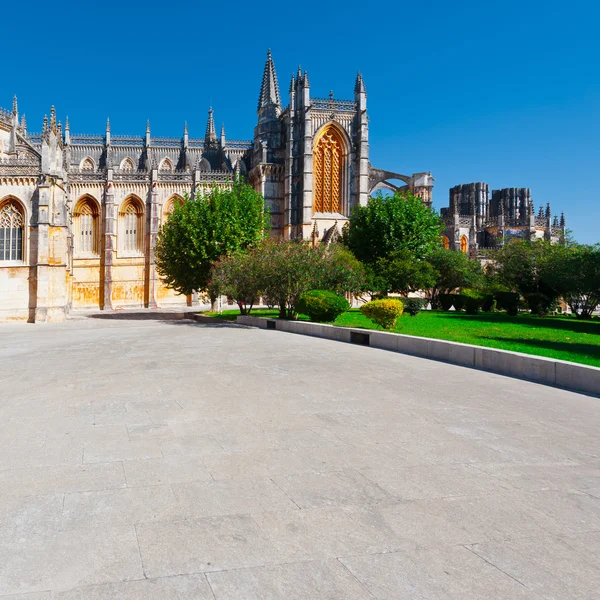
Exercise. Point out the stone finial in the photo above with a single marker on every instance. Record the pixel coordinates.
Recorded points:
(292, 83)
(185, 128)
(305, 78)
(67, 128)
(359, 86)
(562, 220)
(541, 212)
(269, 89)
(210, 136)
(222, 134)
(23, 123)
(53, 119)
(59, 129)
(548, 211)
(45, 125)
(555, 222)
(108, 125)
(15, 109)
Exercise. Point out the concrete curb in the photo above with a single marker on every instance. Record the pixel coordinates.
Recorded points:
(557, 373)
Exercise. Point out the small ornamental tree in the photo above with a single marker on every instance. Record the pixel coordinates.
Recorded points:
(205, 228)
(384, 312)
(240, 277)
(322, 306)
(388, 224)
(531, 268)
(454, 270)
(401, 272)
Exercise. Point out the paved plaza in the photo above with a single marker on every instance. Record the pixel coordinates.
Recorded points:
(149, 459)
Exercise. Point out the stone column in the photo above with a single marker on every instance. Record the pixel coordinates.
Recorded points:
(110, 242)
(307, 160)
(42, 267)
(153, 230)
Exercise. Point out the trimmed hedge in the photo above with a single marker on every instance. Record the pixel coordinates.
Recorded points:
(472, 301)
(322, 306)
(508, 301)
(383, 312)
(458, 301)
(445, 301)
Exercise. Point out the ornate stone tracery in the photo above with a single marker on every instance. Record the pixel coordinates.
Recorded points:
(327, 165)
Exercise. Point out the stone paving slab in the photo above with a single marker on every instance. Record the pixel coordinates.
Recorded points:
(148, 458)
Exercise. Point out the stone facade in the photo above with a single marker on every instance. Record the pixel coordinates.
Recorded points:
(79, 214)
(475, 222)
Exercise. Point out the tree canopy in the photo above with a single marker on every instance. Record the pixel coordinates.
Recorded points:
(205, 228)
(388, 224)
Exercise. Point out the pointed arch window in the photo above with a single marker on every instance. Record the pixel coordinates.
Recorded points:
(464, 244)
(166, 166)
(86, 227)
(87, 164)
(12, 231)
(446, 242)
(132, 227)
(127, 166)
(328, 168)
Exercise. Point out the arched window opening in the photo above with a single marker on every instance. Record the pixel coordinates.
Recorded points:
(127, 165)
(12, 230)
(132, 227)
(464, 244)
(170, 207)
(328, 168)
(87, 164)
(446, 242)
(166, 166)
(86, 227)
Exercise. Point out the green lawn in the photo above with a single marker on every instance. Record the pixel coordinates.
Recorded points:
(555, 337)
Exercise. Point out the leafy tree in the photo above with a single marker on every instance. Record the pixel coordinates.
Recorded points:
(530, 268)
(402, 273)
(578, 271)
(291, 268)
(454, 270)
(239, 276)
(205, 228)
(387, 224)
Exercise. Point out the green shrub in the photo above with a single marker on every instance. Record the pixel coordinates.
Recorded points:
(458, 301)
(413, 306)
(445, 301)
(539, 304)
(383, 312)
(321, 305)
(508, 301)
(488, 304)
(472, 301)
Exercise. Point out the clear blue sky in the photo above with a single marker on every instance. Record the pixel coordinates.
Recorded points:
(502, 92)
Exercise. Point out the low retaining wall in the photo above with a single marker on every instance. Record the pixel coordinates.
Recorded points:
(559, 373)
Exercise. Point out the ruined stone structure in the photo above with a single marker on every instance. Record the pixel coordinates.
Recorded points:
(79, 214)
(474, 221)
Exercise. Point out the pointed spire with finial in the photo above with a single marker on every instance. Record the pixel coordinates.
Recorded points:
(67, 131)
(562, 220)
(148, 132)
(269, 90)
(185, 128)
(52, 119)
(305, 79)
(292, 83)
(541, 211)
(45, 125)
(108, 125)
(222, 140)
(548, 211)
(210, 136)
(59, 130)
(15, 110)
(359, 86)
(24, 124)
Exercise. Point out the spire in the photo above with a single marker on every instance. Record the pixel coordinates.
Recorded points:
(67, 131)
(359, 86)
(222, 135)
(53, 119)
(210, 136)
(292, 83)
(108, 125)
(15, 110)
(24, 123)
(185, 135)
(548, 212)
(185, 129)
(147, 132)
(59, 129)
(269, 90)
(562, 220)
(306, 82)
(45, 125)
(541, 211)
(67, 128)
